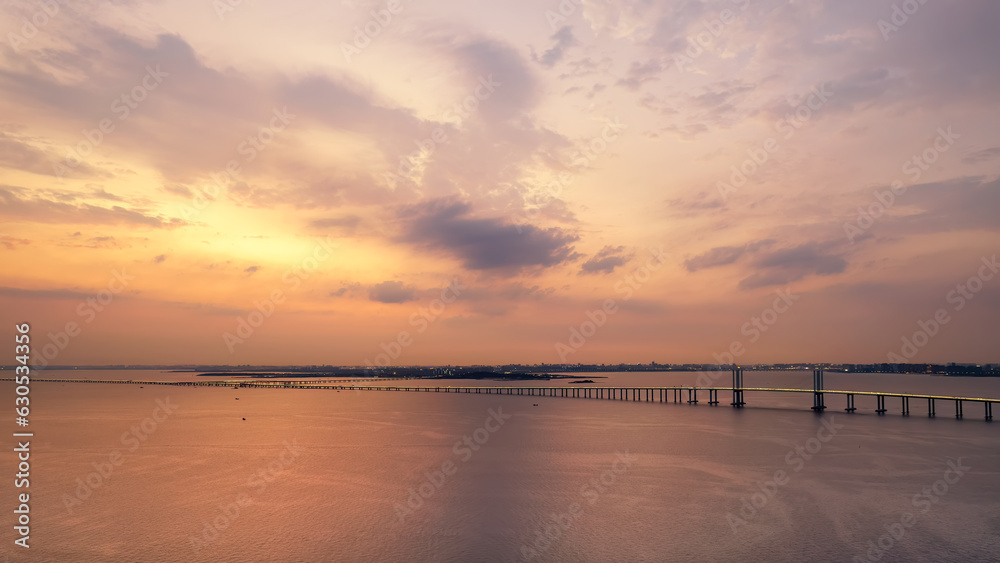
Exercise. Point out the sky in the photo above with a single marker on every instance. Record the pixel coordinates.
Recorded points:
(472, 182)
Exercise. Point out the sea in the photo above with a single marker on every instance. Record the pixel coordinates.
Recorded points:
(135, 473)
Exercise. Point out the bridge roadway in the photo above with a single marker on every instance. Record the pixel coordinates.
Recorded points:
(646, 394)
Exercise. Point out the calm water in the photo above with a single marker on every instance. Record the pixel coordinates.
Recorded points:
(315, 475)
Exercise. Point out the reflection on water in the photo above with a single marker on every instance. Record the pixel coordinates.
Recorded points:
(312, 475)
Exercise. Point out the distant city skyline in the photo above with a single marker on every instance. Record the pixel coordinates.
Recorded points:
(399, 183)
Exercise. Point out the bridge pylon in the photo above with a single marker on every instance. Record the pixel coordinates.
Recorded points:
(737, 388)
(818, 404)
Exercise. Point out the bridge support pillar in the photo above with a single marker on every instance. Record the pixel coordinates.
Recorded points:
(693, 396)
(818, 404)
(737, 388)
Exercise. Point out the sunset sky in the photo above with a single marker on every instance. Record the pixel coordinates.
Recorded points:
(484, 177)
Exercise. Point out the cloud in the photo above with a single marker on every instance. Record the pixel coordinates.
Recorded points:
(564, 39)
(19, 293)
(101, 242)
(446, 225)
(252, 270)
(984, 155)
(724, 255)
(178, 189)
(10, 243)
(16, 203)
(954, 205)
(392, 292)
(606, 260)
(958, 204)
(518, 89)
(792, 264)
(347, 224)
(159, 259)
(18, 154)
(346, 287)
(718, 256)
(640, 73)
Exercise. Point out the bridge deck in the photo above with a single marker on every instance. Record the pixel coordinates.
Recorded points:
(590, 391)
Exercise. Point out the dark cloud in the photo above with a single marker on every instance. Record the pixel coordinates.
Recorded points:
(392, 292)
(852, 93)
(792, 264)
(518, 90)
(947, 52)
(805, 256)
(984, 155)
(587, 66)
(564, 39)
(718, 256)
(942, 55)
(640, 73)
(696, 206)
(446, 225)
(721, 97)
(353, 286)
(606, 260)
(252, 270)
(159, 259)
(723, 255)
(956, 205)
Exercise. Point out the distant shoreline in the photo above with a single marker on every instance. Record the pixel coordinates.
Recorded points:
(476, 375)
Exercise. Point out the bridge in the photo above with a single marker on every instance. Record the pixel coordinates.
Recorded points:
(668, 394)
